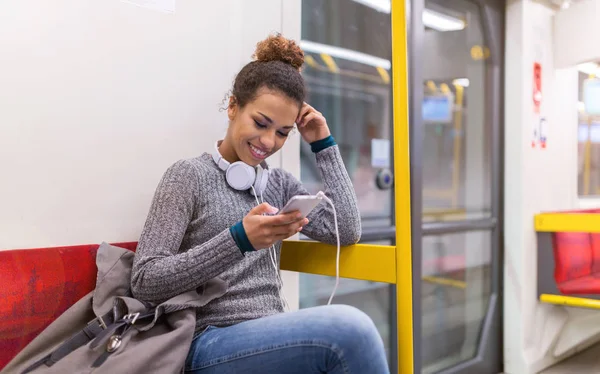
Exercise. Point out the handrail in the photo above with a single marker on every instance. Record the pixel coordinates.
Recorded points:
(442, 281)
(578, 302)
(368, 262)
(376, 263)
(567, 222)
(440, 228)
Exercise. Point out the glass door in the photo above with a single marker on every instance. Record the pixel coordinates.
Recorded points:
(455, 58)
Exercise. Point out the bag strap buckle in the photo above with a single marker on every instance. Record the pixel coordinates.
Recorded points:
(100, 322)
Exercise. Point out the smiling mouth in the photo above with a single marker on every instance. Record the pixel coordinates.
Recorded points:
(257, 153)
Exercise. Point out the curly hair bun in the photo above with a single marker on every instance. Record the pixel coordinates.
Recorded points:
(278, 48)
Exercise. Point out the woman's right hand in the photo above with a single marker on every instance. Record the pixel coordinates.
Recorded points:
(263, 231)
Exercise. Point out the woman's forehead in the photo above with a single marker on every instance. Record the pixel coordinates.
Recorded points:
(275, 108)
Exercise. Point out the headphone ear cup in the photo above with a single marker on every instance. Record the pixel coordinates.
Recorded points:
(240, 176)
(262, 178)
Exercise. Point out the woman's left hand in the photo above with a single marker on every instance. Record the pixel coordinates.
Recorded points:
(311, 124)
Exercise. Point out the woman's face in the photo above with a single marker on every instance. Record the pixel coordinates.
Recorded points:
(260, 128)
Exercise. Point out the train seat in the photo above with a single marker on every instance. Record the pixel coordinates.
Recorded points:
(38, 285)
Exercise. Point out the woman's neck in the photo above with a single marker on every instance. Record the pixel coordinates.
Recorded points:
(227, 151)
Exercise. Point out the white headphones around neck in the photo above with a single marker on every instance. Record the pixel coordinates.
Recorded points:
(242, 176)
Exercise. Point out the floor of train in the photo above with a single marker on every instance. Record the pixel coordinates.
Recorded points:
(587, 361)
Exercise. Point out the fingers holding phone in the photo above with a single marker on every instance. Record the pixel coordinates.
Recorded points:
(284, 219)
(263, 231)
(288, 224)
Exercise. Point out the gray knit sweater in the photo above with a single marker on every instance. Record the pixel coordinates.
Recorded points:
(187, 240)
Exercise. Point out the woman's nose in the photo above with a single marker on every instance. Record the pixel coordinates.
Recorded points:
(268, 141)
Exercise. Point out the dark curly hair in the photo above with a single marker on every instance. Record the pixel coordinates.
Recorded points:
(276, 66)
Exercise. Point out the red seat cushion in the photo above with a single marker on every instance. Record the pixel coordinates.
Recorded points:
(573, 256)
(581, 286)
(595, 238)
(38, 285)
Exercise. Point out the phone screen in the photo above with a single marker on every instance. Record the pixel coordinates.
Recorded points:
(304, 204)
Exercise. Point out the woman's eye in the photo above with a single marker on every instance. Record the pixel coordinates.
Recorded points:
(260, 125)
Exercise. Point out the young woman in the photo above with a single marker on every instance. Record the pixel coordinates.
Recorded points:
(205, 223)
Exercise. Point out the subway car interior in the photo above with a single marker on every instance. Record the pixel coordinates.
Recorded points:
(470, 130)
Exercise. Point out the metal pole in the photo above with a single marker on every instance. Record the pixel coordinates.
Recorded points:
(404, 297)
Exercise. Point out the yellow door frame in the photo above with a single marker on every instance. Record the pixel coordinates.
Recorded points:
(404, 287)
(388, 264)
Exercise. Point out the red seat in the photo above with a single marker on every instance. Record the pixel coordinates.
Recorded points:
(577, 263)
(572, 256)
(38, 285)
(587, 285)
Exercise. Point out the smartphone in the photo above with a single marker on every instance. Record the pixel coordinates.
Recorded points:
(303, 203)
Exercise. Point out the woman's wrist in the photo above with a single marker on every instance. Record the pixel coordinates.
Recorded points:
(319, 145)
(238, 232)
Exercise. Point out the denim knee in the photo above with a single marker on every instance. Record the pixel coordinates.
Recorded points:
(350, 328)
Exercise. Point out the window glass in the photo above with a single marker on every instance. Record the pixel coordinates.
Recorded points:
(455, 292)
(348, 74)
(588, 148)
(457, 142)
(348, 67)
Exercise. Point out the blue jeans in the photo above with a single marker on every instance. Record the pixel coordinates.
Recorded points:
(328, 339)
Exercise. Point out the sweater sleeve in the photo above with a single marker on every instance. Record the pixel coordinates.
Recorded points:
(338, 187)
(159, 272)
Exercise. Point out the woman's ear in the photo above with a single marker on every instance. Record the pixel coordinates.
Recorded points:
(232, 108)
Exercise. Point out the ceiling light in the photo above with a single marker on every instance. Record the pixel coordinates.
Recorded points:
(383, 6)
(441, 22)
(346, 54)
(432, 19)
(461, 82)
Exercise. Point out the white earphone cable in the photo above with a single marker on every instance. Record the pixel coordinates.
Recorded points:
(258, 203)
(272, 252)
(337, 235)
(273, 257)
